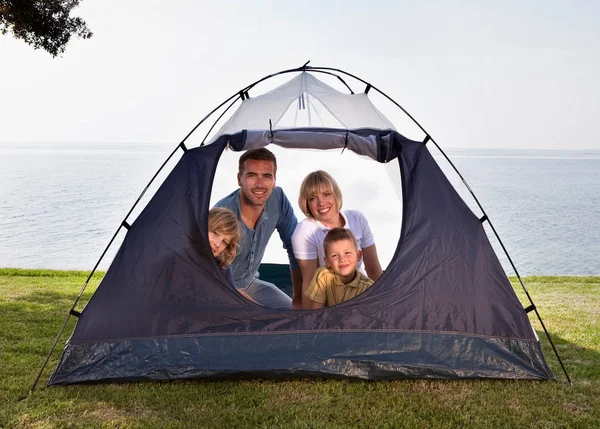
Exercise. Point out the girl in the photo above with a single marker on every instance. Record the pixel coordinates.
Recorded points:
(223, 237)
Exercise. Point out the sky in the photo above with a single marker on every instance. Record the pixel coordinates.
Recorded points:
(475, 74)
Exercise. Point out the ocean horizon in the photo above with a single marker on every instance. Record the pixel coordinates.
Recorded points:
(61, 202)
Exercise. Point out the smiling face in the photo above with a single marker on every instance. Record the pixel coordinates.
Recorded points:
(218, 242)
(323, 207)
(257, 181)
(342, 256)
(320, 198)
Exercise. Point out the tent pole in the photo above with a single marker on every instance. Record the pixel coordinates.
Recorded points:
(179, 146)
(235, 97)
(322, 70)
(60, 332)
(509, 259)
(94, 270)
(217, 120)
(476, 200)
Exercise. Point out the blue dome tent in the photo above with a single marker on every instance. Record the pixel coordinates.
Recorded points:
(444, 307)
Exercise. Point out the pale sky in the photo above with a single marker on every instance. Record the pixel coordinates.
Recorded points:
(508, 74)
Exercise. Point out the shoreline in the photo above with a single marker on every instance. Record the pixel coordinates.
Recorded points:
(51, 272)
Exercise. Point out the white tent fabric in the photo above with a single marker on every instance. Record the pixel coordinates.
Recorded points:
(321, 106)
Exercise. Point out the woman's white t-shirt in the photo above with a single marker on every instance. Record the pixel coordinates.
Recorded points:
(308, 237)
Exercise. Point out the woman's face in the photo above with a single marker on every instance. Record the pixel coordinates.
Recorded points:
(323, 206)
(218, 242)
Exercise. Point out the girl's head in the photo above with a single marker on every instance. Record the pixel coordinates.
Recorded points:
(320, 196)
(223, 235)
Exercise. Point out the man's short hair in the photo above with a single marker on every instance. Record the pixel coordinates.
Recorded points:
(338, 234)
(260, 154)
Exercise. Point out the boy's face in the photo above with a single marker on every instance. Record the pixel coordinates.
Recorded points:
(342, 257)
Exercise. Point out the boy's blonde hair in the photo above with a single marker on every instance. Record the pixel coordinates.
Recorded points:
(312, 185)
(338, 234)
(223, 221)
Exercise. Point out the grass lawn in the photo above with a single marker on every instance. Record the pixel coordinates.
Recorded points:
(34, 303)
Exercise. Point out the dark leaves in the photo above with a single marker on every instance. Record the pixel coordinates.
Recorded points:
(42, 24)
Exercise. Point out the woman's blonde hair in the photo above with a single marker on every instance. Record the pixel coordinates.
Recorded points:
(223, 221)
(312, 184)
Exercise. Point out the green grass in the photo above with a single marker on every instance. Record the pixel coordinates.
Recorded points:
(34, 304)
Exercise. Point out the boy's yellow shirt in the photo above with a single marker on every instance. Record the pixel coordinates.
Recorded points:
(327, 288)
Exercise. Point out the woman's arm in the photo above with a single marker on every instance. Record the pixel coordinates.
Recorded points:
(296, 288)
(308, 267)
(371, 261)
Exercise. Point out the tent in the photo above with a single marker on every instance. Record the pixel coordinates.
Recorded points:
(444, 307)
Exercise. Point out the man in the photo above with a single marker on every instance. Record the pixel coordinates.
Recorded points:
(262, 207)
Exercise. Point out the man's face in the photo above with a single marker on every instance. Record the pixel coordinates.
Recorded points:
(257, 181)
(342, 257)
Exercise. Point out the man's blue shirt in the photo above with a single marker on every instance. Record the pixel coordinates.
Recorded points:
(276, 215)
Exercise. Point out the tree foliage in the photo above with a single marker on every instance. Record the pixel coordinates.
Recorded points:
(42, 24)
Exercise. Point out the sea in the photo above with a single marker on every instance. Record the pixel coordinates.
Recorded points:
(61, 204)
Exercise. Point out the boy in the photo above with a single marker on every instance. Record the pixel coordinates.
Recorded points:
(338, 280)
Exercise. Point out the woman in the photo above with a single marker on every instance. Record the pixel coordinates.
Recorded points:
(321, 201)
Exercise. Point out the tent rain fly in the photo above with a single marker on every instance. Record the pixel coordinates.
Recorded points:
(444, 307)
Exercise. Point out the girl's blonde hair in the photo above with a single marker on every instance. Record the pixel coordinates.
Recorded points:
(312, 184)
(223, 221)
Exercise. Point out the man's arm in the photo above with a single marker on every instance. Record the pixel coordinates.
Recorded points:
(286, 226)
